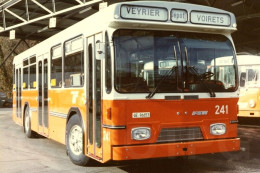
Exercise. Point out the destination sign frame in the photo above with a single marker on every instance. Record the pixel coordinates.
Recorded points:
(176, 10)
(216, 17)
(148, 13)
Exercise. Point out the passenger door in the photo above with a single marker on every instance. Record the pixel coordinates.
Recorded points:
(18, 95)
(94, 96)
(43, 111)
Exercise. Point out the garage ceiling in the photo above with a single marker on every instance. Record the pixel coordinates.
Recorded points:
(30, 18)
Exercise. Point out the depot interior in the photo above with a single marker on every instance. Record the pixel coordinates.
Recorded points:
(30, 19)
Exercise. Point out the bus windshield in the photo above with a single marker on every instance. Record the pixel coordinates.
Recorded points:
(173, 62)
(249, 76)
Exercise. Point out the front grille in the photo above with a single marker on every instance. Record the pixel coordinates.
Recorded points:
(180, 134)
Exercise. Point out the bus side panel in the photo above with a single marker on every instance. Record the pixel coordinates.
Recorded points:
(60, 102)
(31, 98)
(14, 107)
(106, 144)
(57, 128)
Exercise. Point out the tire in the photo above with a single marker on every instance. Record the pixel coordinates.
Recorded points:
(75, 141)
(27, 125)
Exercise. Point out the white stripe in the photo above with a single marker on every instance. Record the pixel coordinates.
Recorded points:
(57, 114)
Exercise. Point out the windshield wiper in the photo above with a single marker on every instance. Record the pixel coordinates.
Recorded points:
(166, 76)
(194, 72)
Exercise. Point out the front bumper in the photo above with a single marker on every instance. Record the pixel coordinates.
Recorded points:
(175, 149)
(248, 113)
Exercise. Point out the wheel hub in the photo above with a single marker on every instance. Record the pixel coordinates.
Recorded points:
(75, 139)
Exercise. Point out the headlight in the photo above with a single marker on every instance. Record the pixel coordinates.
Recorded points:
(141, 133)
(218, 129)
(251, 103)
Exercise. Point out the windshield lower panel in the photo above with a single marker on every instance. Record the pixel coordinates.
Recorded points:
(173, 62)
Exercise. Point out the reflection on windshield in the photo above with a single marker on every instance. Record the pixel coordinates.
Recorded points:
(201, 62)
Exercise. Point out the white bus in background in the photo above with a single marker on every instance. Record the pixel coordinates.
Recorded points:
(249, 76)
(224, 71)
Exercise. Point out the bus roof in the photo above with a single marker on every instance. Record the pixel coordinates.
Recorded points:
(158, 15)
(248, 60)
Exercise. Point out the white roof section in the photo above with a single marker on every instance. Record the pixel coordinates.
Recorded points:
(248, 60)
(33, 17)
(112, 17)
(192, 11)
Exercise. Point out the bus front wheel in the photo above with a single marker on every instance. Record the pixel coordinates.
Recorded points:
(74, 141)
(27, 125)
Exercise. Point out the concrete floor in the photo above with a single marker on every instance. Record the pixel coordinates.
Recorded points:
(20, 154)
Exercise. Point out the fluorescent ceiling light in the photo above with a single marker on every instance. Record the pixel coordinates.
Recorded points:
(237, 3)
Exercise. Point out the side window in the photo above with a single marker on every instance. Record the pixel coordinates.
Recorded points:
(74, 63)
(242, 79)
(56, 67)
(108, 74)
(32, 69)
(25, 74)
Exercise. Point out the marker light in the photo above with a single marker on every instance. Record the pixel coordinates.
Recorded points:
(218, 129)
(141, 133)
(251, 103)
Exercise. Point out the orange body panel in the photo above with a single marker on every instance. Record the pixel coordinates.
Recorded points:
(117, 144)
(175, 149)
(163, 114)
(14, 106)
(30, 97)
(61, 101)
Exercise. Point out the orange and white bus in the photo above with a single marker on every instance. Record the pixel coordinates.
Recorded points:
(135, 80)
(249, 75)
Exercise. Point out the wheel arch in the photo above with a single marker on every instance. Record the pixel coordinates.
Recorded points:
(73, 111)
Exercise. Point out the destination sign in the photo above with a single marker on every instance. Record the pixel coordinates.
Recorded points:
(144, 13)
(210, 18)
(178, 15)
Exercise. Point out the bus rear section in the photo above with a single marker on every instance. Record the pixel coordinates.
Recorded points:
(249, 97)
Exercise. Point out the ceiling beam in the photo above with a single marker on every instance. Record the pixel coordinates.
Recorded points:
(70, 9)
(249, 16)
